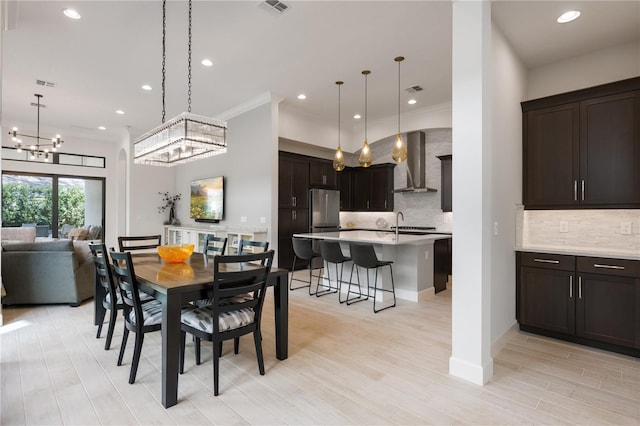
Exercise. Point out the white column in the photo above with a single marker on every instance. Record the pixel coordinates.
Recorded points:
(471, 316)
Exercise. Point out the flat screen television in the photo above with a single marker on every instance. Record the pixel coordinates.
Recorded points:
(207, 200)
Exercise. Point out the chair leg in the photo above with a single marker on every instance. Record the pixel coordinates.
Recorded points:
(136, 357)
(328, 288)
(236, 345)
(392, 291)
(183, 338)
(360, 298)
(216, 364)
(113, 314)
(258, 341)
(196, 344)
(293, 269)
(123, 345)
(100, 322)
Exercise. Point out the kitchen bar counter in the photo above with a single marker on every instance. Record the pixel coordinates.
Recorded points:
(412, 256)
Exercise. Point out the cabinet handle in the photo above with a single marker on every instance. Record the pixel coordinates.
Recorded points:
(575, 190)
(570, 286)
(293, 199)
(546, 261)
(324, 180)
(385, 204)
(582, 189)
(597, 265)
(367, 204)
(579, 287)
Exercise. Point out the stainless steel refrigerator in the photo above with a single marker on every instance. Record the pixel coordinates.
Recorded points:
(324, 210)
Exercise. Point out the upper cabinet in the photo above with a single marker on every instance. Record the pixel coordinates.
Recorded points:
(322, 174)
(373, 188)
(345, 180)
(293, 181)
(582, 148)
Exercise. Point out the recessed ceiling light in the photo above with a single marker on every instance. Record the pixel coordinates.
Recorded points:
(412, 101)
(302, 96)
(568, 16)
(357, 116)
(207, 62)
(71, 13)
(102, 128)
(146, 87)
(119, 111)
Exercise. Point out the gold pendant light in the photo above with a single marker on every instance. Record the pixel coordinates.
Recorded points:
(338, 159)
(365, 159)
(399, 152)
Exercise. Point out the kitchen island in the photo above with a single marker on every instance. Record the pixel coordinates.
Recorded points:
(412, 256)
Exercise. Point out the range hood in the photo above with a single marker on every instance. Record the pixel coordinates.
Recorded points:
(416, 164)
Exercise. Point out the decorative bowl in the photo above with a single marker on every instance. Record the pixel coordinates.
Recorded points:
(175, 253)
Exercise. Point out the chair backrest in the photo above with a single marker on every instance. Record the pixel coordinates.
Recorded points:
(125, 277)
(363, 255)
(243, 279)
(214, 246)
(103, 270)
(249, 246)
(331, 251)
(302, 248)
(141, 242)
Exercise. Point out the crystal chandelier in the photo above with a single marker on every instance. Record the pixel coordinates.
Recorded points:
(185, 138)
(39, 150)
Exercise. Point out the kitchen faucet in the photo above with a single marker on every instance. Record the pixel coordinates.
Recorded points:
(398, 214)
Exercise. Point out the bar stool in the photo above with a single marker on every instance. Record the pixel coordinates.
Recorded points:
(364, 255)
(332, 253)
(303, 250)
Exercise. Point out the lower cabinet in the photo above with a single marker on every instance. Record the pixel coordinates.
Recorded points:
(290, 221)
(588, 300)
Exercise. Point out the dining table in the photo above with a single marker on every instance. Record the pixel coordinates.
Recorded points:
(176, 284)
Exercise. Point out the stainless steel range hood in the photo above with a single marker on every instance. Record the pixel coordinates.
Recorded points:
(416, 171)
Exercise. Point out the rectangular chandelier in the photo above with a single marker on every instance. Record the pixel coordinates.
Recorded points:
(182, 139)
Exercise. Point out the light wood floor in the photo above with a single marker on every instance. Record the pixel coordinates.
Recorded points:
(346, 366)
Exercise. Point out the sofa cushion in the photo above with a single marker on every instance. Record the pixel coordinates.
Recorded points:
(59, 245)
(83, 252)
(18, 234)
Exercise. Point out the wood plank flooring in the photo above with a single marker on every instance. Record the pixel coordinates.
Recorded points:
(346, 366)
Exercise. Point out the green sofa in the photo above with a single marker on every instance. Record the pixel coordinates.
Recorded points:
(45, 272)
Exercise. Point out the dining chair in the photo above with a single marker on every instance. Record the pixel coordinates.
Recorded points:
(303, 249)
(364, 256)
(140, 318)
(214, 246)
(239, 287)
(140, 242)
(251, 246)
(110, 297)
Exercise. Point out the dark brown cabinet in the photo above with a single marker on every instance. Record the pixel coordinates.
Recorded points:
(322, 174)
(582, 148)
(373, 188)
(446, 177)
(345, 181)
(290, 221)
(588, 300)
(293, 181)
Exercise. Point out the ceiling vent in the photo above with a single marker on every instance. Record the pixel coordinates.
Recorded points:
(413, 89)
(274, 6)
(45, 83)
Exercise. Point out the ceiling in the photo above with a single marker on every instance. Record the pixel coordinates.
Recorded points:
(100, 62)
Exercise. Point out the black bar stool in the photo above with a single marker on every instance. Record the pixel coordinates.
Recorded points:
(303, 250)
(332, 253)
(364, 255)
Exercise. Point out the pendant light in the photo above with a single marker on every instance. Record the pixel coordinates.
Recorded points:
(338, 159)
(399, 152)
(365, 158)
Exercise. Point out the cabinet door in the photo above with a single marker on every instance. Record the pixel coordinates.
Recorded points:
(547, 299)
(293, 182)
(361, 189)
(550, 156)
(608, 309)
(610, 150)
(322, 175)
(290, 221)
(345, 178)
(381, 198)
(446, 172)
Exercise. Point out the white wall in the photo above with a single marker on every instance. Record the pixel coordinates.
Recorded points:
(509, 81)
(598, 67)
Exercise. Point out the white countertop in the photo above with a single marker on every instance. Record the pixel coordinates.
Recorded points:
(374, 237)
(581, 252)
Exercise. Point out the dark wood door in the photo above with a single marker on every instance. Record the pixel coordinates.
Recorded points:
(441, 264)
(608, 309)
(345, 178)
(610, 150)
(547, 299)
(293, 182)
(446, 177)
(290, 221)
(551, 157)
(361, 189)
(381, 198)
(322, 175)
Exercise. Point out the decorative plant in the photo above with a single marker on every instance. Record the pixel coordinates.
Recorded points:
(169, 203)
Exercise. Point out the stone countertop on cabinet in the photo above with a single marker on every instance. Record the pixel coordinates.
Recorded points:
(375, 237)
(581, 252)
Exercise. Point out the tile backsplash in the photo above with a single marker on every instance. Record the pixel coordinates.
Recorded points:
(601, 231)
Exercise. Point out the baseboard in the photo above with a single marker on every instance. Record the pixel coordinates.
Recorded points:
(502, 341)
(474, 373)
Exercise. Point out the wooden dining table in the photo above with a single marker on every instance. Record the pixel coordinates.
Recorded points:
(174, 285)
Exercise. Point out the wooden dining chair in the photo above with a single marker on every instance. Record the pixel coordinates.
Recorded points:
(110, 297)
(140, 242)
(214, 246)
(139, 317)
(239, 287)
(250, 246)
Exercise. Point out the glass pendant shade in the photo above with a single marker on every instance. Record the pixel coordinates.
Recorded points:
(338, 160)
(399, 152)
(365, 159)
